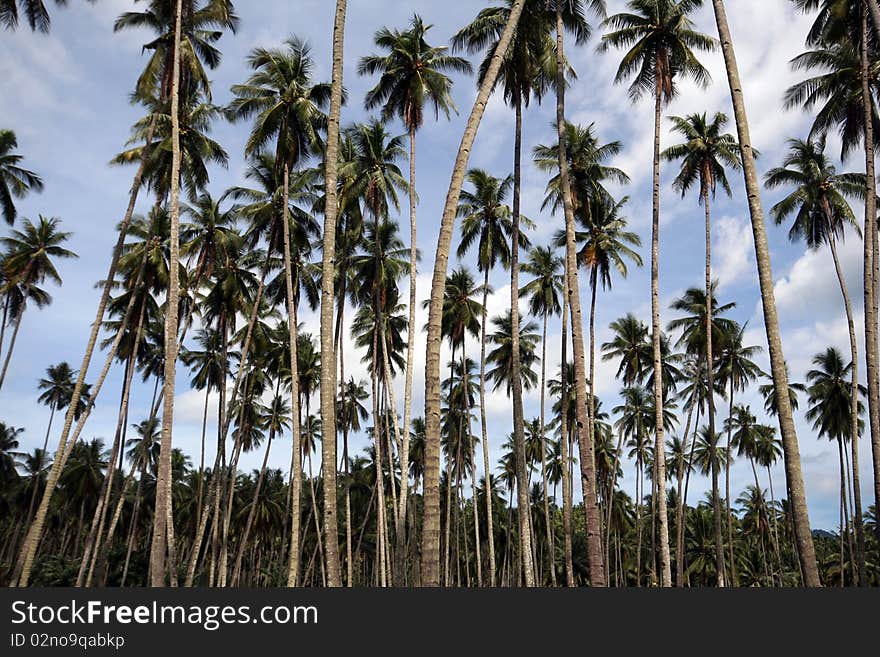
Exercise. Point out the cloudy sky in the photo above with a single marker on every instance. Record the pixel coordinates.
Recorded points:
(66, 97)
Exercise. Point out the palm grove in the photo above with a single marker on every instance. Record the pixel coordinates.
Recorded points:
(210, 286)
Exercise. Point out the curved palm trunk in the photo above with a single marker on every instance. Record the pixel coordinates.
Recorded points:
(588, 471)
(328, 263)
(430, 566)
(870, 261)
(490, 538)
(27, 289)
(565, 432)
(522, 486)
(161, 529)
(400, 549)
(794, 476)
(854, 415)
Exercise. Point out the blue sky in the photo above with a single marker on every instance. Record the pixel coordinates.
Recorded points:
(66, 97)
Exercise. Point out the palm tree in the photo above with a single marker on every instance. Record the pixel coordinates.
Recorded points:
(704, 155)
(350, 412)
(829, 396)
(543, 293)
(163, 529)
(28, 261)
(525, 71)
(413, 73)
(794, 476)
(501, 357)
(486, 221)
(662, 40)
(822, 215)
(15, 181)
(430, 563)
(328, 266)
(288, 108)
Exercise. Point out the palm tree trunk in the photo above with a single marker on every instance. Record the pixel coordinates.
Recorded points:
(202, 460)
(380, 474)
(588, 470)
(679, 521)
(550, 548)
(734, 580)
(490, 537)
(854, 414)
(522, 488)
(400, 550)
(470, 447)
(659, 446)
(871, 257)
(296, 457)
(163, 480)
(328, 356)
(27, 290)
(430, 565)
(132, 532)
(565, 433)
(236, 569)
(794, 476)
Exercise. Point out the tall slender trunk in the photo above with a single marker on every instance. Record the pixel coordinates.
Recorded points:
(400, 550)
(200, 491)
(296, 438)
(470, 448)
(588, 471)
(550, 547)
(680, 510)
(380, 474)
(565, 433)
(490, 537)
(328, 263)
(522, 487)
(430, 566)
(870, 262)
(27, 290)
(163, 479)
(734, 580)
(794, 476)
(659, 447)
(854, 414)
(710, 377)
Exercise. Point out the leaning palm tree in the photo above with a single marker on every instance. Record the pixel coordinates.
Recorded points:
(829, 411)
(821, 216)
(430, 561)
(543, 293)
(486, 221)
(15, 181)
(794, 476)
(28, 261)
(412, 74)
(661, 39)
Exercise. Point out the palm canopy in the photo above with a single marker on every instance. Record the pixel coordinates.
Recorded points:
(287, 103)
(15, 181)
(693, 323)
(461, 311)
(202, 25)
(607, 245)
(30, 252)
(57, 386)
(705, 154)
(487, 220)
(34, 11)
(819, 198)
(529, 66)
(834, 96)
(501, 357)
(375, 175)
(736, 369)
(412, 74)
(661, 39)
(830, 396)
(631, 345)
(545, 289)
(588, 171)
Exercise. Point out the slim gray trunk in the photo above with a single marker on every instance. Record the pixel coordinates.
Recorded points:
(563, 438)
(794, 476)
(550, 547)
(490, 538)
(328, 264)
(593, 523)
(430, 567)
